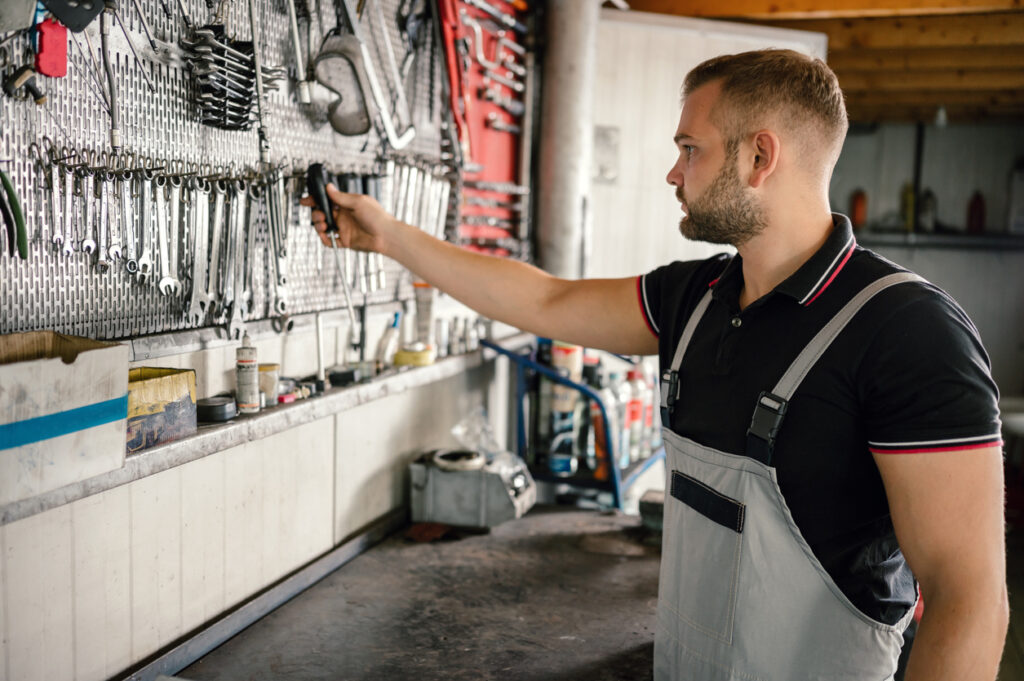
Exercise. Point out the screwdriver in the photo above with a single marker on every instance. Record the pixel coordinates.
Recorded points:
(316, 183)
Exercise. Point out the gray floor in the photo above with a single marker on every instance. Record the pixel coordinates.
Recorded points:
(558, 596)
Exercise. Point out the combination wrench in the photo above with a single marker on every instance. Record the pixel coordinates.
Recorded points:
(212, 278)
(124, 188)
(58, 232)
(87, 191)
(201, 232)
(104, 179)
(145, 262)
(233, 275)
(168, 284)
(69, 213)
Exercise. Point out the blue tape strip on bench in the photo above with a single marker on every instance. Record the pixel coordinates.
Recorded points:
(63, 422)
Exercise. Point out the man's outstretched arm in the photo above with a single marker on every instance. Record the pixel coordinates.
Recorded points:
(598, 313)
(947, 509)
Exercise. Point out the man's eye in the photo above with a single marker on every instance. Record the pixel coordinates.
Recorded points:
(688, 150)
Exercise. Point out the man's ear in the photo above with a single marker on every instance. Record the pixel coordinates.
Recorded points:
(766, 148)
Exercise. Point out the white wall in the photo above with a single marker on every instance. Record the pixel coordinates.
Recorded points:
(642, 60)
(957, 160)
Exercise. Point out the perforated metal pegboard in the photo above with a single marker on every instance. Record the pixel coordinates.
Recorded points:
(67, 294)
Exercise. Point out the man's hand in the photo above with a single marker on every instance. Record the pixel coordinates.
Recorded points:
(947, 509)
(363, 224)
(597, 313)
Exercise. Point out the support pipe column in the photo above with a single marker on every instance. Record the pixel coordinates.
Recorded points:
(566, 135)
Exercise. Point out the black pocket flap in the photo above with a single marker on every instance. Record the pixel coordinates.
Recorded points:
(713, 505)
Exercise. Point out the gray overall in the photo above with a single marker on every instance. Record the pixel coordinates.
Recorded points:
(741, 595)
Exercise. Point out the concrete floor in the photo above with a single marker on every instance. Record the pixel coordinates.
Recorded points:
(560, 595)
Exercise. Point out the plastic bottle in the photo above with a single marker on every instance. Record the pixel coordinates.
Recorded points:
(585, 444)
(651, 373)
(567, 359)
(247, 378)
(623, 394)
(637, 405)
(603, 453)
(540, 411)
(388, 343)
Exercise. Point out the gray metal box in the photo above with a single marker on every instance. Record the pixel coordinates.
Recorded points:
(488, 496)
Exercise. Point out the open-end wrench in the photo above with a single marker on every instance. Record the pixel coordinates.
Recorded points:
(117, 216)
(279, 241)
(88, 191)
(53, 176)
(168, 284)
(145, 263)
(217, 227)
(236, 326)
(200, 263)
(124, 189)
(253, 196)
(69, 212)
(174, 227)
(104, 178)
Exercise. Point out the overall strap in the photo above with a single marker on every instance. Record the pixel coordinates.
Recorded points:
(670, 379)
(771, 406)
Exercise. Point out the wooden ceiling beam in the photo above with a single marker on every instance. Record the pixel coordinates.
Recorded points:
(806, 9)
(994, 98)
(968, 30)
(930, 80)
(926, 114)
(928, 58)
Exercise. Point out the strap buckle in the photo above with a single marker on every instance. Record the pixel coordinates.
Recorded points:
(766, 422)
(670, 390)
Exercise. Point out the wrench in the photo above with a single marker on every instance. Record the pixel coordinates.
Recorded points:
(168, 284)
(201, 230)
(173, 233)
(103, 227)
(219, 191)
(252, 197)
(54, 179)
(235, 324)
(145, 264)
(114, 249)
(124, 186)
(87, 191)
(69, 213)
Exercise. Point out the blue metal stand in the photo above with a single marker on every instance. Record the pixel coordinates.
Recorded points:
(620, 480)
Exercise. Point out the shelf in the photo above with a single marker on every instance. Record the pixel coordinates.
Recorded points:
(989, 242)
(212, 438)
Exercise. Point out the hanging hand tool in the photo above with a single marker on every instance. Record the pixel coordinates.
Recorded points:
(403, 111)
(104, 178)
(220, 189)
(316, 181)
(494, 122)
(261, 127)
(14, 219)
(87, 190)
(108, 66)
(506, 19)
(302, 87)
(198, 299)
(69, 213)
(111, 8)
(144, 274)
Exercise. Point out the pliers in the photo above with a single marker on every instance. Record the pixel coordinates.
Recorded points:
(14, 219)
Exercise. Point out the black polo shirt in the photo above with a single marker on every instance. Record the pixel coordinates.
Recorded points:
(907, 375)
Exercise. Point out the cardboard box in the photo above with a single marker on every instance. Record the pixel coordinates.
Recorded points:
(63, 407)
(161, 406)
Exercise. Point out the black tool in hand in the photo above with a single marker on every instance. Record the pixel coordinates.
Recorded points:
(316, 183)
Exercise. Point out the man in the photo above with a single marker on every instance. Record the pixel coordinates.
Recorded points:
(813, 477)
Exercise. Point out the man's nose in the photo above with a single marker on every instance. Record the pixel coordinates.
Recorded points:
(675, 176)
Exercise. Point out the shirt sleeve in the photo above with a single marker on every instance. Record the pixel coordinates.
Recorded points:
(927, 384)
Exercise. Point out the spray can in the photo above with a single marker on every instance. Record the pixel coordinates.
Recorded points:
(567, 359)
(601, 450)
(247, 378)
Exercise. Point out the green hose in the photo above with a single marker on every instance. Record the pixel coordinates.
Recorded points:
(19, 218)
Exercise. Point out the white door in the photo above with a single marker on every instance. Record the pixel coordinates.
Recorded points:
(642, 60)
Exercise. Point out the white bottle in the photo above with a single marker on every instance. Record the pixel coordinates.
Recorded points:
(247, 378)
(651, 375)
(387, 346)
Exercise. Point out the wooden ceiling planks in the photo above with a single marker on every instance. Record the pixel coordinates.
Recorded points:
(904, 61)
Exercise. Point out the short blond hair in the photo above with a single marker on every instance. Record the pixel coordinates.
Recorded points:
(801, 90)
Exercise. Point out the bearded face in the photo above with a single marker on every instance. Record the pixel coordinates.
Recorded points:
(726, 212)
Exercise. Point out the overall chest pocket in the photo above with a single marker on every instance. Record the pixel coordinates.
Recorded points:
(702, 554)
